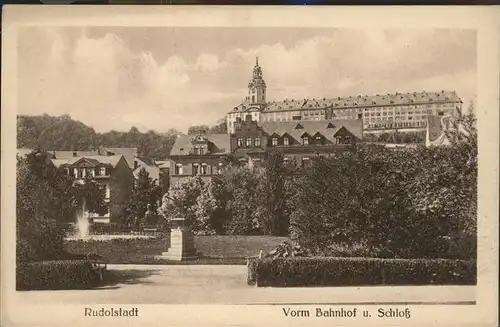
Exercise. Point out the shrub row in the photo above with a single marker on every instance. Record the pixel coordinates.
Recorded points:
(54, 275)
(329, 271)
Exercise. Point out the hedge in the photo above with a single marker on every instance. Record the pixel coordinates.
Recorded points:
(329, 271)
(54, 275)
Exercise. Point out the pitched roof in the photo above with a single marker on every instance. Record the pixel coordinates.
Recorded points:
(109, 160)
(163, 164)
(69, 154)
(153, 171)
(146, 161)
(313, 127)
(219, 144)
(247, 106)
(128, 153)
(357, 101)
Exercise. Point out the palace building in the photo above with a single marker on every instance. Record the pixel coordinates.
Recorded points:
(380, 113)
(204, 154)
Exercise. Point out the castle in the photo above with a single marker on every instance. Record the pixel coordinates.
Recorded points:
(404, 112)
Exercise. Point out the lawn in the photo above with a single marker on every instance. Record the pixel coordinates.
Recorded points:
(214, 249)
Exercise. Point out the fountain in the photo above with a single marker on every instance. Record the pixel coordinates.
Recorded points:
(82, 226)
(82, 230)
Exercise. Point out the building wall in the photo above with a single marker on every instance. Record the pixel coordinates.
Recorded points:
(375, 118)
(121, 185)
(187, 162)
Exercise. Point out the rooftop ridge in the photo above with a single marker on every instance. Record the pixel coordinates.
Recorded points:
(361, 100)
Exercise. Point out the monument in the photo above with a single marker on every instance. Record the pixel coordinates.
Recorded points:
(181, 242)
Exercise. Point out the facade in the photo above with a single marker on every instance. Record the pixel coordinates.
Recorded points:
(297, 141)
(203, 154)
(380, 113)
(111, 171)
(199, 154)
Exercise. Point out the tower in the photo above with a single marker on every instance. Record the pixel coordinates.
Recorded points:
(257, 86)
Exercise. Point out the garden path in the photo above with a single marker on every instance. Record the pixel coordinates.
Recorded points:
(226, 284)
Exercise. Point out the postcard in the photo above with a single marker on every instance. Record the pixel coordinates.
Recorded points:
(250, 166)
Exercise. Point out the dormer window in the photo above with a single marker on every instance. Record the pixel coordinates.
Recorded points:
(102, 171)
(330, 125)
(196, 150)
(305, 140)
(274, 141)
(319, 139)
(286, 141)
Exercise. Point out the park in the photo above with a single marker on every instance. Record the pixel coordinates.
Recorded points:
(362, 218)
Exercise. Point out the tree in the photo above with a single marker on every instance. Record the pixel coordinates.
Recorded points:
(242, 201)
(396, 203)
(273, 214)
(43, 202)
(221, 128)
(64, 133)
(195, 129)
(144, 195)
(191, 199)
(90, 195)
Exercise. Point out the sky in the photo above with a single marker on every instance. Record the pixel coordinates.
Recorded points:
(158, 78)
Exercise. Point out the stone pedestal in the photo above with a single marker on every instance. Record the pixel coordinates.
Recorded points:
(181, 246)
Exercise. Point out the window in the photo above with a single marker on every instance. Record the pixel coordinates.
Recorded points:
(275, 141)
(343, 139)
(103, 171)
(318, 139)
(178, 169)
(305, 162)
(195, 169)
(75, 172)
(204, 170)
(108, 192)
(305, 140)
(240, 141)
(196, 150)
(220, 165)
(256, 141)
(286, 141)
(249, 142)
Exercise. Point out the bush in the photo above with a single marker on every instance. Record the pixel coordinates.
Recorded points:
(53, 275)
(41, 239)
(405, 204)
(328, 271)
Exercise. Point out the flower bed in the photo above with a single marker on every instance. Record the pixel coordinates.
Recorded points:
(329, 271)
(58, 274)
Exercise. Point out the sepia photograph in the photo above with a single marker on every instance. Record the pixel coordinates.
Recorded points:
(332, 166)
